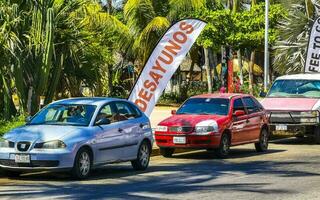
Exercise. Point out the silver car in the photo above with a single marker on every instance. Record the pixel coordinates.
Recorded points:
(79, 134)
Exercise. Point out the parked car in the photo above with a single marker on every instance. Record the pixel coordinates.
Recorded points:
(78, 135)
(214, 122)
(293, 105)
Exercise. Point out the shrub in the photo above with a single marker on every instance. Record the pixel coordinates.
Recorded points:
(6, 126)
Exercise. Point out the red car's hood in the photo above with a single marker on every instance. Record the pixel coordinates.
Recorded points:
(190, 120)
(288, 104)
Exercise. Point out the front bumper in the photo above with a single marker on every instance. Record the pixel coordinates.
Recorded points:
(294, 128)
(192, 141)
(51, 160)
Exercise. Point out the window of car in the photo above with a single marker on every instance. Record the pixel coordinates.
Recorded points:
(108, 111)
(251, 105)
(64, 114)
(126, 110)
(205, 106)
(238, 105)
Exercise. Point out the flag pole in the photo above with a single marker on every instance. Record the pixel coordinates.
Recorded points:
(266, 48)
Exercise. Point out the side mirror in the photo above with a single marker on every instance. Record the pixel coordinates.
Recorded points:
(28, 119)
(173, 112)
(239, 113)
(103, 121)
(262, 94)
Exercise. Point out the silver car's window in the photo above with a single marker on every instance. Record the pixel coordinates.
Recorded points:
(76, 115)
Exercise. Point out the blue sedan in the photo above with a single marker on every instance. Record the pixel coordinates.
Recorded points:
(79, 134)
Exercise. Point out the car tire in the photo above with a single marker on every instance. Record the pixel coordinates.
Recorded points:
(263, 143)
(224, 147)
(167, 152)
(12, 174)
(317, 135)
(82, 164)
(143, 157)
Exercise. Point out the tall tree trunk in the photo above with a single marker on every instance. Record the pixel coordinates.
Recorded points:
(239, 55)
(109, 80)
(235, 6)
(251, 65)
(208, 69)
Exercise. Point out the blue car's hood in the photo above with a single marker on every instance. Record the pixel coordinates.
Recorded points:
(40, 133)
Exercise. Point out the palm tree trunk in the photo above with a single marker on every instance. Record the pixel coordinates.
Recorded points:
(240, 65)
(251, 65)
(309, 8)
(208, 68)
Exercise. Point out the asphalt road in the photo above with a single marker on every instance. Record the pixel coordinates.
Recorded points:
(290, 170)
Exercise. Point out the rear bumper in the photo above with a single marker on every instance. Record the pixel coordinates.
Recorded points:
(192, 141)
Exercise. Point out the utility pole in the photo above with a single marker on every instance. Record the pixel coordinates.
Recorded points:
(266, 48)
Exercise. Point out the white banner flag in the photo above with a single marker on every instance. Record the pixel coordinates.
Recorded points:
(313, 54)
(163, 62)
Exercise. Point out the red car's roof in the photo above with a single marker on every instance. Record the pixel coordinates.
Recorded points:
(220, 95)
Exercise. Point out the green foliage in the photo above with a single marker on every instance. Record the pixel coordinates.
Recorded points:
(6, 126)
(243, 29)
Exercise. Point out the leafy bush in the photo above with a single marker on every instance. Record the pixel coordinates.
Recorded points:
(6, 126)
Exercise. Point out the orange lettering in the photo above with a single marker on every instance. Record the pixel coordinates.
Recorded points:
(144, 95)
(169, 58)
(156, 77)
(180, 37)
(152, 86)
(171, 48)
(186, 27)
(141, 104)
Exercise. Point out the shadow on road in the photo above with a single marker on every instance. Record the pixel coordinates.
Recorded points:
(120, 181)
(295, 141)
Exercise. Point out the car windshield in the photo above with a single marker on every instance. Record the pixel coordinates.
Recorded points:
(74, 115)
(205, 106)
(295, 88)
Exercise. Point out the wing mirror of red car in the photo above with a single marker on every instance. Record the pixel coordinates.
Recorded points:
(239, 113)
(173, 112)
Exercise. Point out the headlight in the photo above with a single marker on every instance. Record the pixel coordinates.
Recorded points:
(161, 128)
(57, 144)
(309, 120)
(6, 143)
(206, 127)
(309, 114)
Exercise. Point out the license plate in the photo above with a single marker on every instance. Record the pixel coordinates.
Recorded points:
(281, 128)
(22, 158)
(179, 140)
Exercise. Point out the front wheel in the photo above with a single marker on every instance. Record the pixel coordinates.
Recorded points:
(263, 143)
(224, 147)
(143, 158)
(82, 164)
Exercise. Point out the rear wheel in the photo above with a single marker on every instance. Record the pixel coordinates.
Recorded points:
(82, 164)
(263, 143)
(166, 152)
(224, 147)
(143, 158)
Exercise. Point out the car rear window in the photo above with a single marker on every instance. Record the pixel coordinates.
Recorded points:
(205, 106)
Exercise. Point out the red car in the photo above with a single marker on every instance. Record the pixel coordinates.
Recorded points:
(214, 122)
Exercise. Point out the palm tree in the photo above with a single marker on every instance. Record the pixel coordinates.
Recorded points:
(290, 49)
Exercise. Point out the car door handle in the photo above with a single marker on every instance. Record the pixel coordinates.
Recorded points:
(120, 130)
(248, 121)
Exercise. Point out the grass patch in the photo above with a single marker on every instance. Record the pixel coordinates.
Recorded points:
(6, 126)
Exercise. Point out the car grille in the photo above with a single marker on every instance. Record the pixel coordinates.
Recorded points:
(23, 146)
(285, 117)
(181, 129)
(34, 163)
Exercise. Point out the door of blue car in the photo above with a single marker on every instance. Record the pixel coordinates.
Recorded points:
(110, 138)
(133, 128)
